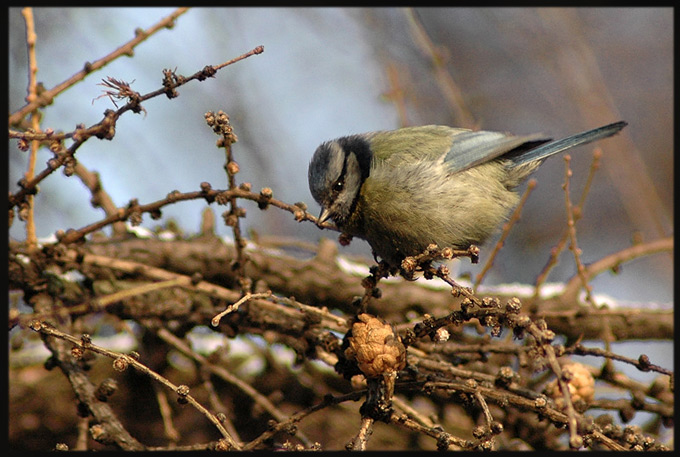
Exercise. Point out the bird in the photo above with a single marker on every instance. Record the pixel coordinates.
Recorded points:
(405, 189)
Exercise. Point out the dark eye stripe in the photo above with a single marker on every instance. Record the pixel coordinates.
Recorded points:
(360, 147)
(340, 182)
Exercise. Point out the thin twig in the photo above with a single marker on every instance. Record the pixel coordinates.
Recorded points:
(165, 411)
(100, 198)
(614, 261)
(642, 363)
(234, 306)
(31, 37)
(122, 361)
(227, 376)
(338, 323)
(127, 49)
(361, 439)
(571, 225)
(412, 412)
(221, 125)
(106, 127)
(327, 401)
(543, 339)
(446, 83)
(485, 408)
(578, 214)
(531, 185)
(210, 195)
(216, 403)
(444, 439)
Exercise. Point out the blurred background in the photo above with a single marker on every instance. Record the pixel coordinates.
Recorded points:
(328, 72)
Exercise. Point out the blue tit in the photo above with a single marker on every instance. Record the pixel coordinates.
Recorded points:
(404, 189)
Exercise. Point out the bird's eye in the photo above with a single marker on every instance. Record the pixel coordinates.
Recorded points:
(338, 186)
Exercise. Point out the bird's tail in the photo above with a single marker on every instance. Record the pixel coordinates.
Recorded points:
(553, 147)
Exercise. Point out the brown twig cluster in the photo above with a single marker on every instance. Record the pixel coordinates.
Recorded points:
(448, 370)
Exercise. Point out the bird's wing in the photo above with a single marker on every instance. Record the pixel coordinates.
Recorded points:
(408, 144)
(461, 149)
(470, 149)
(458, 149)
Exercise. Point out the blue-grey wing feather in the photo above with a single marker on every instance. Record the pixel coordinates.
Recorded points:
(470, 149)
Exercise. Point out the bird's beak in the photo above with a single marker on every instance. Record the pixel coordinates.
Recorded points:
(323, 217)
